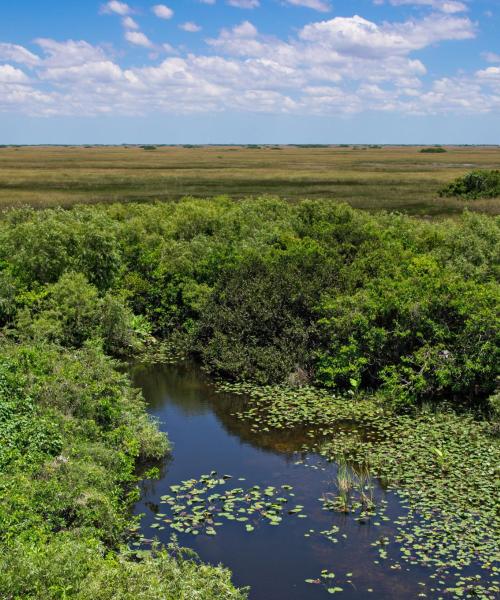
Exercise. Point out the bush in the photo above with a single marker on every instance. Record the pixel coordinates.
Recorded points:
(423, 333)
(72, 429)
(256, 287)
(474, 185)
(40, 246)
(70, 312)
(433, 150)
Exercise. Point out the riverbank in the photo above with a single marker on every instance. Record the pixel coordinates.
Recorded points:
(72, 431)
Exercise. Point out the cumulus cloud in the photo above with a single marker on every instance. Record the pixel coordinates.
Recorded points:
(18, 54)
(162, 11)
(101, 72)
(116, 7)
(490, 77)
(190, 27)
(245, 30)
(137, 38)
(359, 37)
(68, 53)
(319, 5)
(10, 74)
(129, 23)
(340, 66)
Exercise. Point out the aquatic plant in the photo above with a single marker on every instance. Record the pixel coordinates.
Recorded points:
(195, 506)
(443, 466)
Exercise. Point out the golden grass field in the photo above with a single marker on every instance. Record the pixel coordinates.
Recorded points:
(393, 178)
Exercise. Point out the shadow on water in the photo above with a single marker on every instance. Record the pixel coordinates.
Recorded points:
(273, 561)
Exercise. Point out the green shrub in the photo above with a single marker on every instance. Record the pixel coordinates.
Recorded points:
(70, 312)
(433, 150)
(72, 429)
(40, 246)
(474, 185)
(248, 286)
(423, 333)
(259, 323)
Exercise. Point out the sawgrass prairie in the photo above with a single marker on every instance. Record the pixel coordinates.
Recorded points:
(371, 178)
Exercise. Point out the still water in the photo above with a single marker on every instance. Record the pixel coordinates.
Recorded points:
(273, 561)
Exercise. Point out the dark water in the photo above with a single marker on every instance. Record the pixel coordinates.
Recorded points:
(273, 561)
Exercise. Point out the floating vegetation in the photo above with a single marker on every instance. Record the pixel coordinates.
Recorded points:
(325, 580)
(443, 466)
(201, 505)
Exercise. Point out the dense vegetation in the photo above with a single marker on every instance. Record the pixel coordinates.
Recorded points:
(433, 150)
(476, 184)
(265, 291)
(260, 290)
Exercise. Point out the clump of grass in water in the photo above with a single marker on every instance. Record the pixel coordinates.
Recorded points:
(345, 484)
(365, 488)
(354, 490)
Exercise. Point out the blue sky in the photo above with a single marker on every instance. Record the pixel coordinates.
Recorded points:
(250, 71)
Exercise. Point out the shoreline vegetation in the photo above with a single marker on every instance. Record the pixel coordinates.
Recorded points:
(331, 313)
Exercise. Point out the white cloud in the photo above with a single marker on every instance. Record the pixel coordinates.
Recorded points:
(190, 27)
(162, 11)
(339, 66)
(101, 72)
(137, 38)
(9, 74)
(446, 6)
(490, 77)
(18, 54)
(207, 1)
(491, 57)
(114, 6)
(244, 3)
(69, 53)
(319, 5)
(129, 23)
(245, 29)
(359, 37)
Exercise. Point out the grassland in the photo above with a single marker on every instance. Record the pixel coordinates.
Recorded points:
(395, 178)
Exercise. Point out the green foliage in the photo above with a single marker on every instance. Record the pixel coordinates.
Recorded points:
(40, 246)
(421, 333)
(433, 150)
(69, 565)
(264, 290)
(74, 419)
(72, 430)
(259, 323)
(71, 312)
(476, 184)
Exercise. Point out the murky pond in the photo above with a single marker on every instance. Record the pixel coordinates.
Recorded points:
(273, 561)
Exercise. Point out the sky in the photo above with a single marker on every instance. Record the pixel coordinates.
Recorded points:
(250, 71)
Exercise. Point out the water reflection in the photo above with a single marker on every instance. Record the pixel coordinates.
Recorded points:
(274, 561)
